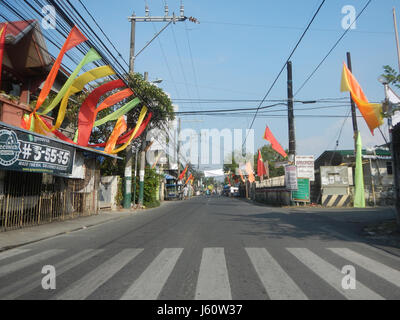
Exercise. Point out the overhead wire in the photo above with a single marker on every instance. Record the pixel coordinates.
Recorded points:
(284, 65)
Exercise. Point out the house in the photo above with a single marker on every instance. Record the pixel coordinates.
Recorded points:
(42, 178)
(334, 170)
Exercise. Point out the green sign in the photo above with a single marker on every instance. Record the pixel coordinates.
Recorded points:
(303, 191)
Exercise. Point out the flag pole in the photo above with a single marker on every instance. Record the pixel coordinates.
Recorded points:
(397, 36)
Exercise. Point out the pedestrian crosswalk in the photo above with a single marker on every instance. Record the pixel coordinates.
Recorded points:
(213, 280)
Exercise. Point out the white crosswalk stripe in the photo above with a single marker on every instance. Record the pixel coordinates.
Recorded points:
(381, 270)
(85, 286)
(150, 283)
(27, 284)
(20, 264)
(12, 252)
(213, 281)
(332, 275)
(278, 284)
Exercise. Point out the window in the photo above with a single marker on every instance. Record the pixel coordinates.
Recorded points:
(389, 167)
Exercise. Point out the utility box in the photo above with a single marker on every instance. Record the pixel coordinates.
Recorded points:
(335, 184)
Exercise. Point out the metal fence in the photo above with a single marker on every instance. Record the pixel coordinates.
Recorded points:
(29, 199)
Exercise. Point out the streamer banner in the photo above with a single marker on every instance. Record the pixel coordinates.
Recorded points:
(371, 112)
(87, 112)
(182, 173)
(74, 38)
(77, 86)
(3, 32)
(120, 128)
(249, 171)
(91, 56)
(190, 177)
(125, 137)
(120, 112)
(260, 165)
(138, 123)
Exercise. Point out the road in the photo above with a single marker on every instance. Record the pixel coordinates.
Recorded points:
(205, 248)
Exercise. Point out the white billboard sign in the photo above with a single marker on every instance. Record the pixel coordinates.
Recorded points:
(305, 167)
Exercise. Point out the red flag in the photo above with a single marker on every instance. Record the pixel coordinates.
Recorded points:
(2, 42)
(183, 173)
(229, 180)
(260, 165)
(274, 144)
(75, 37)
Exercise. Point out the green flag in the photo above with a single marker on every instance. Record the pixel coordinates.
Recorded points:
(359, 198)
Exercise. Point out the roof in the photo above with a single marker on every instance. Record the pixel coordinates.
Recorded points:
(18, 30)
(337, 157)
(378, 152)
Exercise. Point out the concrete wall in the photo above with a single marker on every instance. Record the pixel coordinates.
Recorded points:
(271, 191)
(108, 189)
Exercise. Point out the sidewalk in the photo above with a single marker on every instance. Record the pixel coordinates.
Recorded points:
(18, 237)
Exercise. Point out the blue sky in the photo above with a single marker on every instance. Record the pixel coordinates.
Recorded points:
(238, 49)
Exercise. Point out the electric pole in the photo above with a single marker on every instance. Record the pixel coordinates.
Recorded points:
(142, 160)
(128, 161)
(133, 19)
(292, 138)
(353, 107)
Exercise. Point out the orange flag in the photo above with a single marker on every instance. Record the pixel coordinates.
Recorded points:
(249, 171)
(274, 143)
(371, 112)
(75, 37)
(120, 128)
(2, 42)
(190, 177)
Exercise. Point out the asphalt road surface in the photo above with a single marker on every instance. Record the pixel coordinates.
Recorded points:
(207, 248)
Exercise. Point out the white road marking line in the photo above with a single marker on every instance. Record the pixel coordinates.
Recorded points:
(278, 284)
(20, 264)
(381, 270)
(85, 286)
(150, 283)
(356, 242)
(12, 252)
(25, 285)
(213, 281)
(332, 275)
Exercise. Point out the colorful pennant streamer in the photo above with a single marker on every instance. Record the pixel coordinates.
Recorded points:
(3, 32)
(120, 128)
(74, 38)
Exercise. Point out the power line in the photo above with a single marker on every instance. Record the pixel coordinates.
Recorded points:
(333, 47)
(283, 67)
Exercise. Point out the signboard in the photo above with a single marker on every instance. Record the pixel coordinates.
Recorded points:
(305, 167)
(303, 191)
(21, 151)
(290, 177)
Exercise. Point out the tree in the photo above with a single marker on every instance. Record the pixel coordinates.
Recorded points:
(270, 155)
(391, 76)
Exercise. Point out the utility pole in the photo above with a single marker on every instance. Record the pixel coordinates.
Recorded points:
(142, 160)
(397, 36)
(133, 19)
(353, 108)
(292, 138)
(128, 161)
(177, 152)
